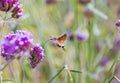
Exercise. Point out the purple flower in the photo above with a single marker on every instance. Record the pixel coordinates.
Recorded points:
(14, 43)
(17, 11)
(117, 23)
(70, 35)
(82, 36)
(8, 43)
(13, 6)
(84, 1)
(36, 56)
(24, 40)
(50, 1)
(104, 61)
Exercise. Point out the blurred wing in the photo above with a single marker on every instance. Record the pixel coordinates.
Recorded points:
(61, 39)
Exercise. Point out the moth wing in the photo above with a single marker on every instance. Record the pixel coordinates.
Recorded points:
(61, 39)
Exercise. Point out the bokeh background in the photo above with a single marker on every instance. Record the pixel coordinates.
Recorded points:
(91, 48)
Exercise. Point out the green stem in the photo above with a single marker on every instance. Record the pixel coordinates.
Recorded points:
(110, 70)
(0, 76)
(111, 79)
(75, 14)
(56, 74)
(65, 77)
(75, 71)
(4, 68)
(10, 66)
(22, 72)
(1, 16)
(6, 65)
(115, 77)
(71, 79)
(77, 59)
(4, 18)
(12, 80)
(9, 18)
(91, 43)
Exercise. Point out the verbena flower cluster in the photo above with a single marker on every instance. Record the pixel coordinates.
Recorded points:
(34, 60)
(14, 6)
(21, 43)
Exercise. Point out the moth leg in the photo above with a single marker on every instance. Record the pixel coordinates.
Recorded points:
(63, 48)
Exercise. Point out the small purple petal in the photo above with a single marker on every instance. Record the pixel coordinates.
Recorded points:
(70, 35)
(117, 23)
(104, 61)
(82, 36)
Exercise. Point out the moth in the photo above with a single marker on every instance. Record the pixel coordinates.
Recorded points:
(59, 41)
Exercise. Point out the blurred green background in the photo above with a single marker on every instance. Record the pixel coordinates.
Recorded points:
(95, 18)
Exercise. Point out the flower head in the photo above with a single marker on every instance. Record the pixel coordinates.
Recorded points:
(15, 43)
(82, 36)
(70, 35)
(14, 6)
(17, 11)
(24, 40)
(104, 61)
(117, 23)
(21, 43)
(36, 55)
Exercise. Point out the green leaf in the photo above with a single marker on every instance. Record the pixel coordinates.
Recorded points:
(75, 71)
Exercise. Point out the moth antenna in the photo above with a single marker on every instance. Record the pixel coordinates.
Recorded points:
(52, 38)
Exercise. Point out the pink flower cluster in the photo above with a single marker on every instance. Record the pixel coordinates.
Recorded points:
(21, 43)
(34, 60)
(14, 6)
